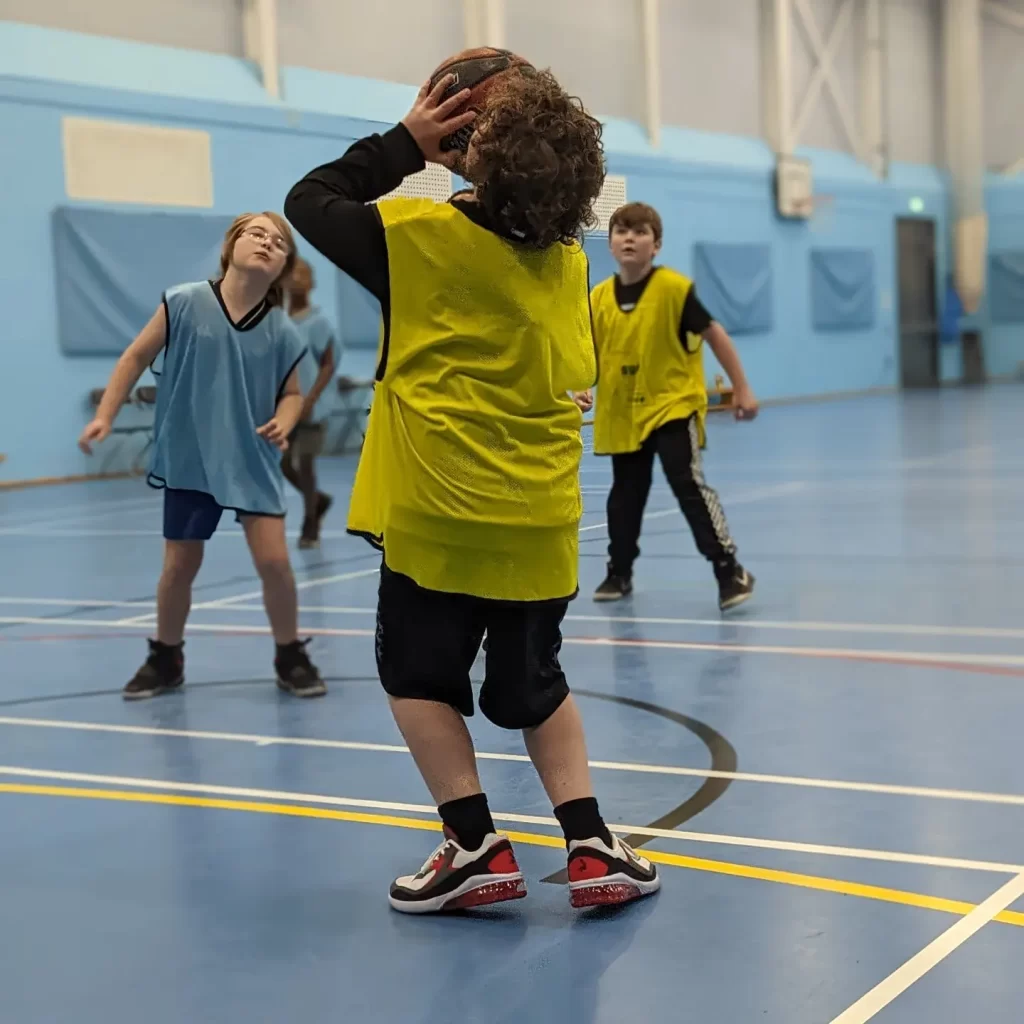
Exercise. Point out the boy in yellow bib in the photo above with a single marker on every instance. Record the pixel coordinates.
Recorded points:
(649, 326)
(469, 475)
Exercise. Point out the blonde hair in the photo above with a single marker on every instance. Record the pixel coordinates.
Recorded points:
(275, 293)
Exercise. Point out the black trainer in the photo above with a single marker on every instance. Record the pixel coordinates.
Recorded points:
(453, 878)
(310, 537)
(296, 674)
(323, 504)
(614, 588)
(163, 672)
(735, 588)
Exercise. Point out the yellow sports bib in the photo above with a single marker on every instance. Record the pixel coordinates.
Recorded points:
(647, 377)
(469, 474)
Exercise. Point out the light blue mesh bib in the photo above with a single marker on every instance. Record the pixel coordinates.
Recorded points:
(218, 383)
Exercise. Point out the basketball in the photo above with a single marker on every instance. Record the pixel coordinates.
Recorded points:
(478, 70)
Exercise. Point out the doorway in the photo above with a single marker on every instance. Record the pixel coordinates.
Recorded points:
(917, 303)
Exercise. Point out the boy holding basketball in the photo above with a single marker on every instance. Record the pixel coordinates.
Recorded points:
(227, 399)
(468, 478)
(649, 325)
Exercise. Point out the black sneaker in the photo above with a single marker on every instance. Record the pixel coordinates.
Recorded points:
(456, 879)
(735, 588)
(309, 538)
(323, 504)
(163, 672)
(602, 876)
(614, 588)
(296, 674)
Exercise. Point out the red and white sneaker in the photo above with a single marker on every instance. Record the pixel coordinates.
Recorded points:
(601, 876)
(456, 879)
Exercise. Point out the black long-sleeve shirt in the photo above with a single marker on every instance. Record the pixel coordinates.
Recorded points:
(331, 208)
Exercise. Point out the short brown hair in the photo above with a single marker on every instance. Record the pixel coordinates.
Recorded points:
(275, 294)
(635, 215)
(537, 160)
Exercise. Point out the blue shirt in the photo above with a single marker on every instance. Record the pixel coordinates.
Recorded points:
(219, 382)
(317, 335)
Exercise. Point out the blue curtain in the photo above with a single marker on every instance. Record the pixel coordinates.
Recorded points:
(358, 315)
(734, 282)
(842, 289)
(112, 267)
(1006, 287)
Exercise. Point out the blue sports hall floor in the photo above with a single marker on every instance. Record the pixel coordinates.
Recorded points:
(830, 777)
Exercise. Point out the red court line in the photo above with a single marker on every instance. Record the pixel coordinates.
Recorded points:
(871, 658)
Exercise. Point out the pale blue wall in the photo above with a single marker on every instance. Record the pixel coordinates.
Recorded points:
(708, 188)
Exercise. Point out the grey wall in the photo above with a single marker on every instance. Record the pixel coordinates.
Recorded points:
(710, 53)
(212, 25)
(325, 35)
(1002, 69)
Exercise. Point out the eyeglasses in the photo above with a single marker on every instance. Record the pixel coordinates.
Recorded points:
(259, 235)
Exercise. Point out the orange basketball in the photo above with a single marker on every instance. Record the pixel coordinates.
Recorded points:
(478, 70)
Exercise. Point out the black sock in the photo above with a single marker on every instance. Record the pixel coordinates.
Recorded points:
(580, 819)
(469, 819)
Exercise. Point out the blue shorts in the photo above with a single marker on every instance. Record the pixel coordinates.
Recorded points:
(190, 515)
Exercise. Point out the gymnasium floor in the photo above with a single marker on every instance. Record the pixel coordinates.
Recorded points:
(830, 779)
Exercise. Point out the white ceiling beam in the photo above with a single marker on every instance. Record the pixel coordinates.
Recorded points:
(472, 24)
(783, 29)
(650, 15)
(873, 95)
(494, 23)
(1004, 14)
(824, 74)
(259, 36)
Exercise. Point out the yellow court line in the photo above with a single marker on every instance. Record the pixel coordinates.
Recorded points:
(718, 867)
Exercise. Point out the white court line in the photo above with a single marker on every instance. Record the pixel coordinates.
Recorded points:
(848, 852)
(39, 526)
(320, 581)
(912, 658)
(805, 782)
(227, 602)
(933, 954)
(82, 509)
(761, 494)
(71, 602)
(84, 534)
(795, 626)
(38, 529)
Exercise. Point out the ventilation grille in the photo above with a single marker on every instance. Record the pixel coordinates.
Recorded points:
(433, 182)
(121, 162)
(613, 195)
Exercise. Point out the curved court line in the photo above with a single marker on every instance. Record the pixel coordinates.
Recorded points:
(984, 664)
(819, 883)
(707, 838)
(801, 781)
(716, 780)
(723, 762)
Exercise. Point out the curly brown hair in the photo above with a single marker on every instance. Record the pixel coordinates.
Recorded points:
(537, 160)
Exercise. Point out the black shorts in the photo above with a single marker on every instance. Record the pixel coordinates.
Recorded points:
(427, 642)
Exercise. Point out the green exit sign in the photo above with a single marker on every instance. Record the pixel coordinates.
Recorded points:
(916, 205)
